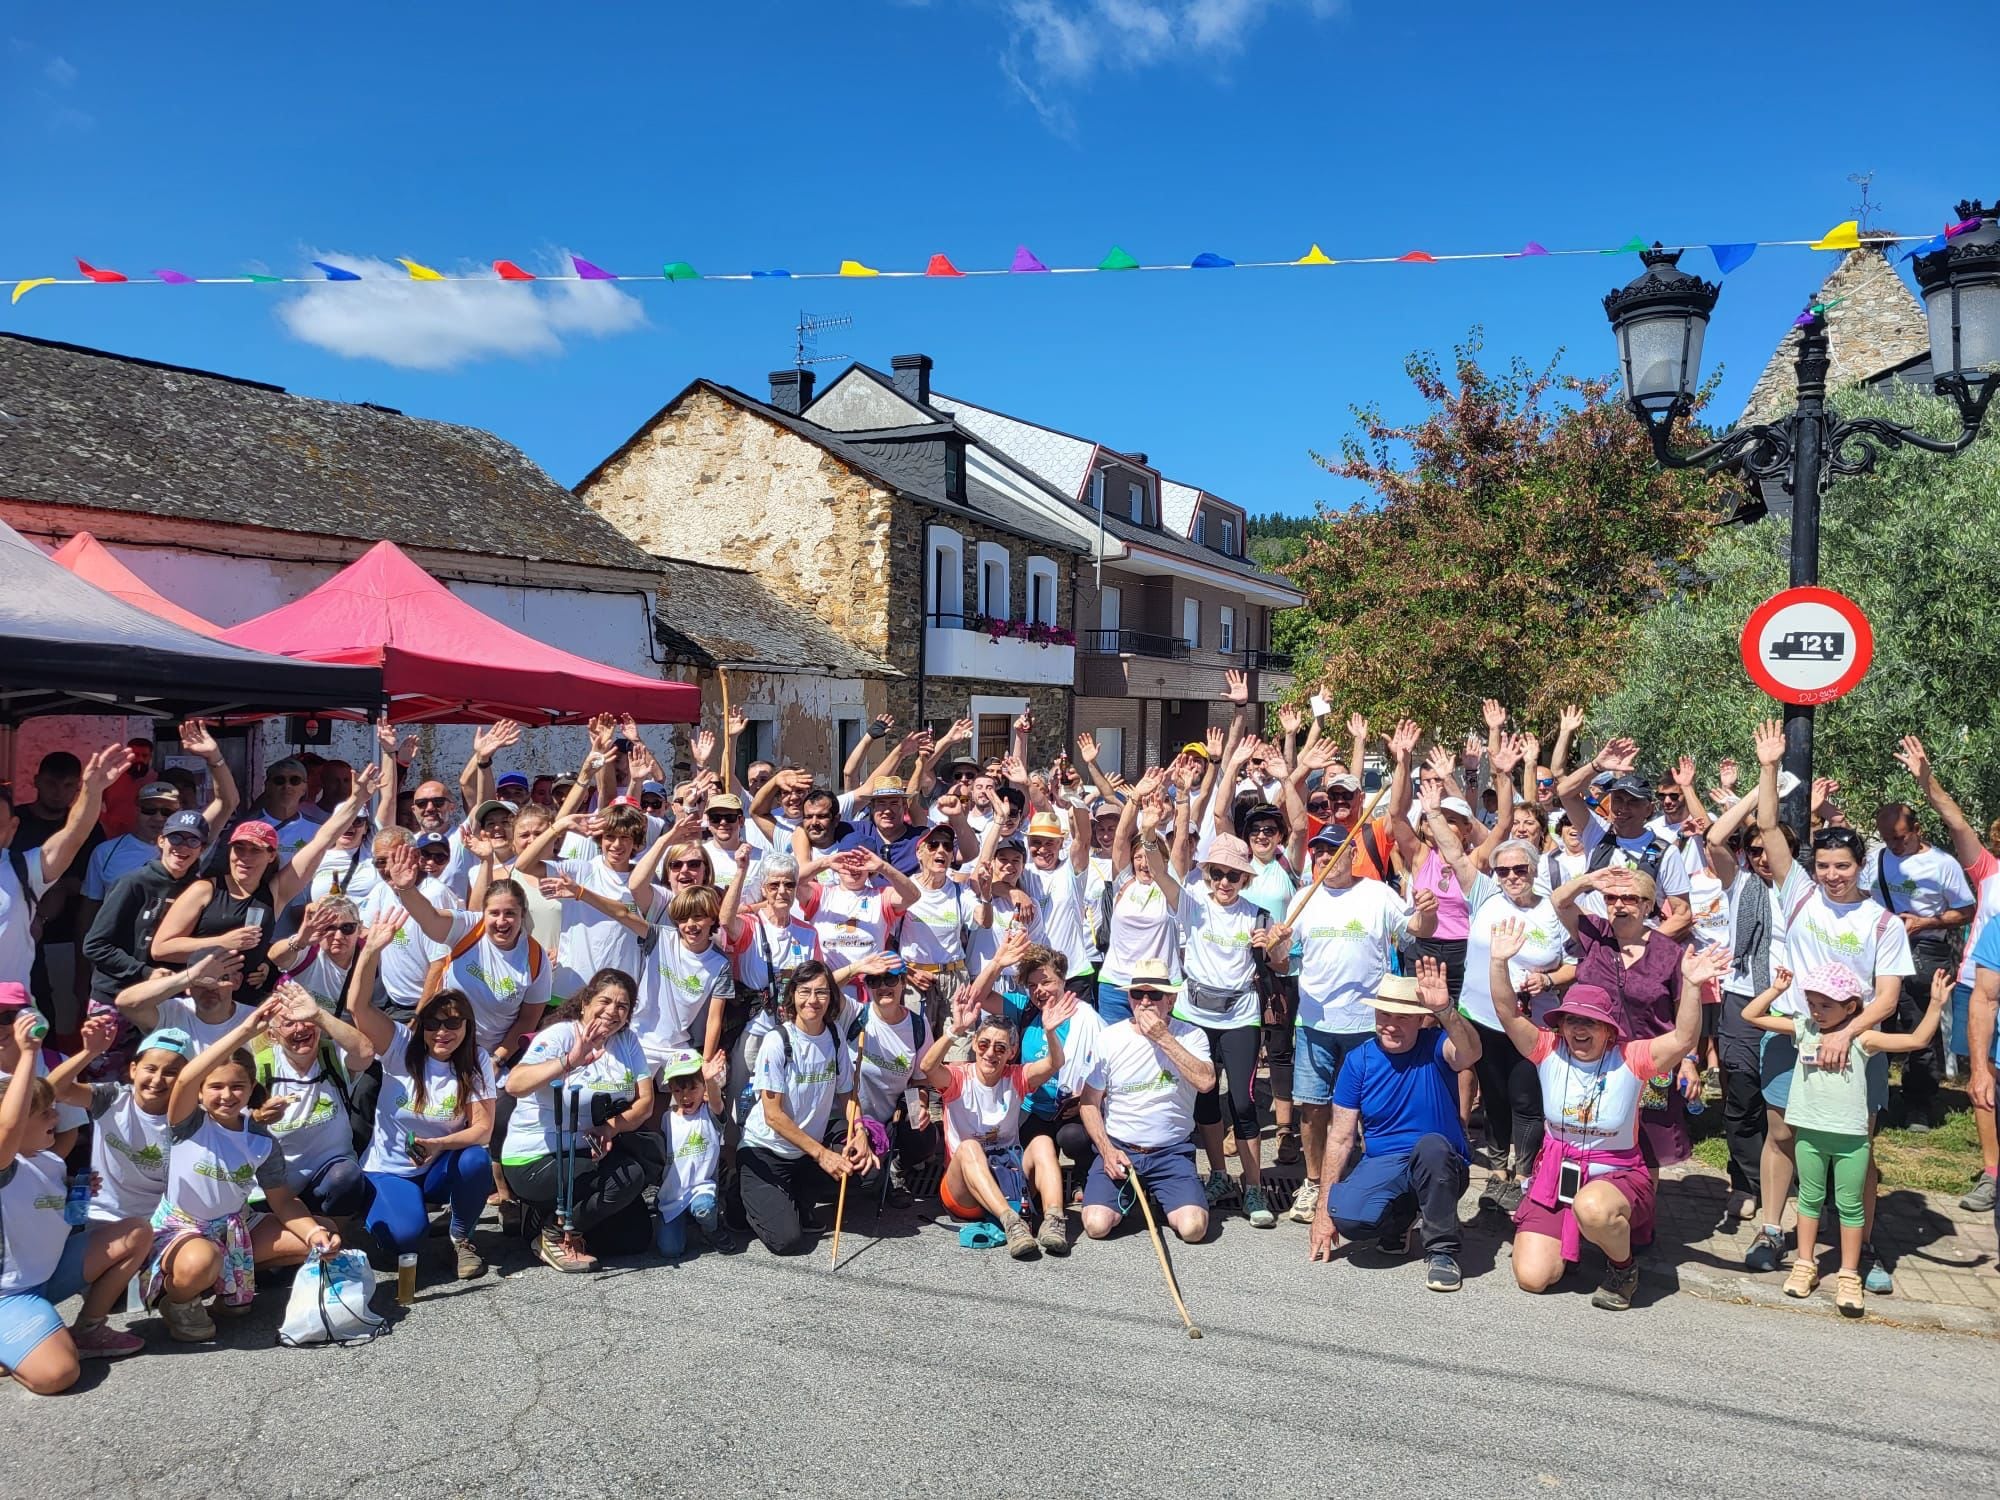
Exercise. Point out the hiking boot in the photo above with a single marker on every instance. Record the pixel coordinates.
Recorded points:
(1020, 1243)
(187, 1322)
(1257, 1207)
(1220, 1188)
(1396, 1243)
(1767, 1251)
(1512, 1191)
(1441, 1274)
(1980, 1199)
(218, 1308)
(1489, 1196)
(1847, 1294)
(1305, 1203)
(99, 1340)
(1804, 1277)
(1288, 1148)
(1875, 1272)
(1053, 1236)
(470, 1266)
(562, 1252)
(1614, 1292)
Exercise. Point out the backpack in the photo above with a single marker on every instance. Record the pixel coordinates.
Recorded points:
(19, 861)
(360, 1126)
(434, 980)
(1650, 858)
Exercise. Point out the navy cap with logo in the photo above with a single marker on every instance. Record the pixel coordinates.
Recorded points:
(431, 840)
(187, 821)
(1632, 784)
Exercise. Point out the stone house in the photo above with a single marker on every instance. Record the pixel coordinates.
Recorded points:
(868, 525)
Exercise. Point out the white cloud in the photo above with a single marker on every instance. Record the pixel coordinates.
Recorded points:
(1054, 46)
(60, 71)
(439, 325)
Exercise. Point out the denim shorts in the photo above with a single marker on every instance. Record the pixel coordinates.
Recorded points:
(1316, 1059)
(1780, 1052)
(26, 1318)
(1113, 1004)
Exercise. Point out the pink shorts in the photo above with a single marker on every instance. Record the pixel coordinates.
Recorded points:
(1634, 1182)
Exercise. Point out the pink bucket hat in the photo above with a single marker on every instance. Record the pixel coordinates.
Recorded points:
(1590, 1002)
(1835, 981)
(1231, 853)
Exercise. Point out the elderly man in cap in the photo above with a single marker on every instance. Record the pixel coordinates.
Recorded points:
(1054, 879)
(1399, 1090)
(1138, 1106)
(1621, 836)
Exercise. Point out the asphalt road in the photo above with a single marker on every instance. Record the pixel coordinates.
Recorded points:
(922, 1368)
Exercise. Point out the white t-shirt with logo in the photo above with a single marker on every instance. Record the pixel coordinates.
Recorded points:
(210, 1170)
(532, 1131)
(1218, 953)
(314, 1128)
(347, 872)
(406, 962)
(974, 1110)
(935, 929)
(32, 1193)
(851, 925)
(766, 946)
(694, 1151)
(1144, 924)
(398, 1120)
(1348, 935)
(497, 982)
(1543, 951)
(1923, 884)
(1861, 934)
(676, 989)
(820, 1069)
(888, 1059)
(591, 939)
(1147, 1104)
(1058, 896)
(128, 1152)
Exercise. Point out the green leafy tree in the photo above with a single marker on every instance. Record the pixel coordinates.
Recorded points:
(1521, 526)
(1917, 545)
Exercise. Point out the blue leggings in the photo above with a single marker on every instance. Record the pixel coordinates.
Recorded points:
(396, 1217)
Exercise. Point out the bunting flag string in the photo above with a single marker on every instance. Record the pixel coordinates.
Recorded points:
(1728, 256)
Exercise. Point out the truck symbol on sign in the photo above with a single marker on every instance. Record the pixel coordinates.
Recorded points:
(1809, 645)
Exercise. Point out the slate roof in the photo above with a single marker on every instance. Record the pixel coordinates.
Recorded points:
(711, 615)
(91, 428)
(1061, 460)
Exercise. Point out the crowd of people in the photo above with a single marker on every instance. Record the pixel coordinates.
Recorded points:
(623, 1012)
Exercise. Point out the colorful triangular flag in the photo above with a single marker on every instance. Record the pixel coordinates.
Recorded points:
(508, 271)
(174, 278)
(1118, 260)
(1533, 247)
(855, 268)
(1846, 235)
(262, 279)
(1024, 260)
(103, 277)
(1314, 257)
(1419, 257)
(676, 270)
(1729, 257)
(1208, 260)
(22, 288)
(941, 266)
(335, 273)
(1631, 247)
(418, 272)
(1930, 246)
(1963, 226)
(777, 272)
(585, 271)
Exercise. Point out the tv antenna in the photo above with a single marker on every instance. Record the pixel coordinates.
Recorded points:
(1864, 209)
(805, 345)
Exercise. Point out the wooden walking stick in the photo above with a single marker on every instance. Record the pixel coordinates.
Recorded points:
(840, 1206)
(1160, 1247)
(1299, 901)
(722, 676)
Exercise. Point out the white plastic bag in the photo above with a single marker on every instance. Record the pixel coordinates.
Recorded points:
(329, 1302)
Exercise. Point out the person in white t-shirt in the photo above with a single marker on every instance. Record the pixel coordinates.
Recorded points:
(1929, 894)
(1054, 881)
(858, 914)
(802, 1136)
(687, 982)
(691, 1121)
(1139, 1109)
(199, 1000)
(1625, 837)
(304, 1069)
(131, 1135)
(1146, 901)
(935, 935)
(47, 1261)
(592, 939)
(985, 1173)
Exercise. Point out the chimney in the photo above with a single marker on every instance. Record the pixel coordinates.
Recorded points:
(913, 377)
(792, 390)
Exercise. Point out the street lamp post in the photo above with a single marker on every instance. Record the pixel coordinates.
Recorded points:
(1660, 319)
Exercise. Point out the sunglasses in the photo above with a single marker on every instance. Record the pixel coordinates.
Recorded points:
(1503, 871)
(1545, 781)
(994, 1047)
(1146, 994)
(687, 864)
(1340, 796)
(780, 882)
(284, 781)
(158, 809)
(183, 841)
(431, 801)
(725, 817)
(345, 929)
(434, 853)
(1217, 874)
(1266, 831)
(652, 804)
(442, 1023)
(1751, 851)
(1623, 900)
(1318, 804)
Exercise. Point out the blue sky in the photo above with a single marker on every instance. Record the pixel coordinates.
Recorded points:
(761, 134)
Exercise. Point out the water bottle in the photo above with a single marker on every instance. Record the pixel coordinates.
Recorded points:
(38, 1027)
(76, 1206)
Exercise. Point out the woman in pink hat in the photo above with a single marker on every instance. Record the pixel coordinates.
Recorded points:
(1590, 1181)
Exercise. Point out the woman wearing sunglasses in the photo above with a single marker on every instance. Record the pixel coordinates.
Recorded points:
(1508, 1084)
(1823, 916)
(433, 1118)
(769, 944)
(321, 955)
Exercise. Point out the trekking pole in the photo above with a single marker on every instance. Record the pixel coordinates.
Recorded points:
(556, 1098)
(1160, 1248)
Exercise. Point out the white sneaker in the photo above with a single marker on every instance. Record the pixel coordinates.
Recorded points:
(187, 1322)
(1305, 1203)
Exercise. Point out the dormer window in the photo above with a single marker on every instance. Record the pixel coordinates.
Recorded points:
(1228, 537)
(954, 471)
(1135, 495)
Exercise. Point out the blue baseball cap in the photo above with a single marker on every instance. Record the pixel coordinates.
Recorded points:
(187, 821)
(167, 1039)
(512, 778)
(430, 840)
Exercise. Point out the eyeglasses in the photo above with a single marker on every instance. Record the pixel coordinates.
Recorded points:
(183, 841)
(1517, 871)
(1612, 898)
(1752, 851)
(345, 929)
(430, 801)
(284, 781)
(1318, 804)
(442, 1023)
(725, 817)
(1545, 781)
(652, 804)
(434, 852)
(1266, 831)
(1340, 796)
(996, 1047)
(687, 864)
(1145, 994)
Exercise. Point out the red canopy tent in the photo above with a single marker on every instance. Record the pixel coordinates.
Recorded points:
(443, 662)
(85, 556)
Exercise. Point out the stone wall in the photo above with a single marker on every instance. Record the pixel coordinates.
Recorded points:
(1878, 323)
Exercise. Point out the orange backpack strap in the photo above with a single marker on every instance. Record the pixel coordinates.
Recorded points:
(434, 980)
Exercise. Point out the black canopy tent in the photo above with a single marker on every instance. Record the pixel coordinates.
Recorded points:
(67, 647)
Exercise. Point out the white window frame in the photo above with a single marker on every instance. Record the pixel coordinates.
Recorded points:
(1135, 504)
(1228, 536)
(846, 713)
(990, 553)
(1110, 607)
(950, 602)
(1200, 529)
(1042, 570)
(1225, 629)
(1191, 622)
(1111, 750)
(1096, 489)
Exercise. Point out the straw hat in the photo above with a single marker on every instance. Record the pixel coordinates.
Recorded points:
(1397, 994)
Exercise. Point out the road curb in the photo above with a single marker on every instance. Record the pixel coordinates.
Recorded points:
(1896, 1311)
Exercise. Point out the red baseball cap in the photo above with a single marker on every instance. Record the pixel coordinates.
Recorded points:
(262, 834)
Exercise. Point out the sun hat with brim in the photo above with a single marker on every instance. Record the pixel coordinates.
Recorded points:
(1231, 853)
(1835, 981)
(1046, 826)
(14, 994)
(1397, 994)
(681, 1062)
(1152, 974)
(166, 1039)
(888, 786)
(263, 835)
(1457, 805)
(1590, 1002)
(724, 802)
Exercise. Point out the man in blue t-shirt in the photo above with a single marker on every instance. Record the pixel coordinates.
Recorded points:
(1401, 1089)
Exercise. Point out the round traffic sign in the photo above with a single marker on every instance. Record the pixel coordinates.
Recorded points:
(1807, 645)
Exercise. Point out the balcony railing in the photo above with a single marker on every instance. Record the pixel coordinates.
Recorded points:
(1267, 661)
(1132, 643)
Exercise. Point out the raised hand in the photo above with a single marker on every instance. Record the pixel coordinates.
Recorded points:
(196, 740)
(1725, 775)
(960, 733)
(1432, 992)
(105, 767)
(1494, 713)
(1025, 724)
(1290, 719)
(367, 782)
(737, 722)
(701, 745)
(603, 729)
(1403, 740)
(403, 872)
(964, 1011)
(1357, 726)
(1012, 948)
(99, 1032)
(1061, 1009)
(1570, 720)
(1086, 748)
(1148, 1022)
(1769, 738)
(1507, 754)
(226, 964)
(1236, 686)
(1698, 966)
(1439, 761)
(1618, 755)
(382, 931)
(644, 765)
(1914, 759)
(1684, 774)
(1213, 740)
(487, 742)
(1509, 937)
(558, 888)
